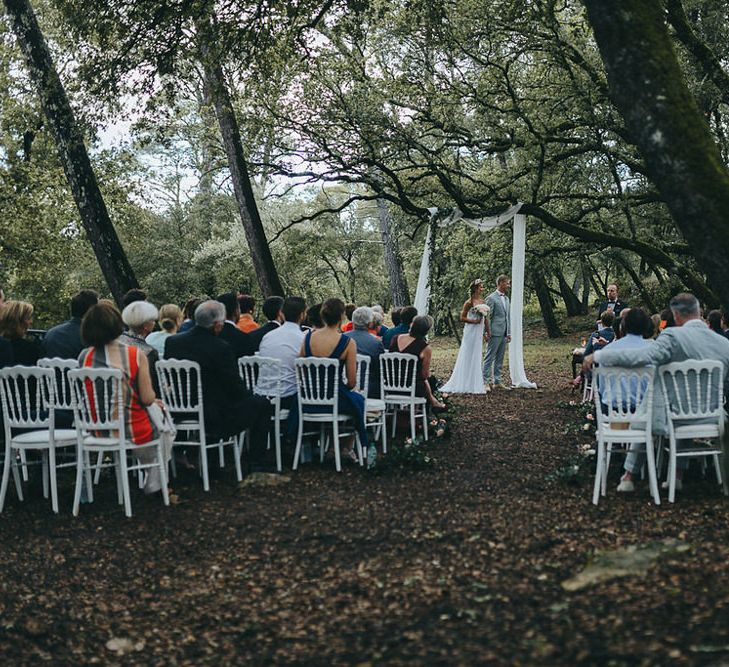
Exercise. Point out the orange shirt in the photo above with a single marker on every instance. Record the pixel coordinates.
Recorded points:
(348, 327)
(246, 323)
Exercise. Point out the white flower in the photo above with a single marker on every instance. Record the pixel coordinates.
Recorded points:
(482, 309)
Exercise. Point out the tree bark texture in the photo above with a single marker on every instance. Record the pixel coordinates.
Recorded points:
(683, 161)
(398, 284)
(545, 303)
(75, 159)
(571, 300)
(217, 90)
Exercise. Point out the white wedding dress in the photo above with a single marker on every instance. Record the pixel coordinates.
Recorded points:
(467, 376)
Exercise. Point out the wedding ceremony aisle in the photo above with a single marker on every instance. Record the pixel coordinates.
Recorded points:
(463, 563)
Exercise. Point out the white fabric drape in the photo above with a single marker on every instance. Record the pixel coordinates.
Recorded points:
(422, 295)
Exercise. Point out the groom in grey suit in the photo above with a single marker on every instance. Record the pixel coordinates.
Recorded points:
(498, 301)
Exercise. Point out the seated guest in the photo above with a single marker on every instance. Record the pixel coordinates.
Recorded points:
(284, 344)
(102, 330)
(349, 309)
(405, 317)
(16, 318)
(246, 304)
(229, 409)
(667, 320)
(416, 342)
(378, 317)
(330, 343)
(170, 319)
(689, 339)
(272, 310)
(604, 335)
(313, 319)
(133, 295)
(230, 333)
(7, 358)
(363, 319)
(64, 340)
(140, 318)
(189, 312)
(725, 323)
(713, 319)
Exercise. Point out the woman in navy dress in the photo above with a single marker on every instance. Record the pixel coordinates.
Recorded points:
(330, 343)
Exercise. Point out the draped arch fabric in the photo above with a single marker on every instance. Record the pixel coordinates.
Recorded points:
(422, 294)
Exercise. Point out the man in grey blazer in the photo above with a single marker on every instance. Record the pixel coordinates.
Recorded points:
(498, 301)
(691, 338)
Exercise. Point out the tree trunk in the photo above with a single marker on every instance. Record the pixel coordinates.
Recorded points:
(217, 91)
(398, 284)
(545, 303)
(585, 289)
(571, 301)
(647, 86)
(72, 151)
(635, 277)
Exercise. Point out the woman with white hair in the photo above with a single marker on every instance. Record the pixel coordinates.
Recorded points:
(140, 318)
(378, 318)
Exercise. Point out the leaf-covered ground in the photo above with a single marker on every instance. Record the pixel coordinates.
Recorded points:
(462, 564)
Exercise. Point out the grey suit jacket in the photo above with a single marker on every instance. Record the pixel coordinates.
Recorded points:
(500, 324)
(694, 340)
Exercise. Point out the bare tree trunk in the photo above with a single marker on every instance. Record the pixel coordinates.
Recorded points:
(71, 149)
(398, 284)
(683, 161)
(217, 91)
(571, 301)
(545, 303)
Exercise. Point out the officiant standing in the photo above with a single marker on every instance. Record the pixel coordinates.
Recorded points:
(498, 302)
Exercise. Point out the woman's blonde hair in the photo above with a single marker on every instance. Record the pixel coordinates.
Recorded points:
(170, 316)
(13, 318)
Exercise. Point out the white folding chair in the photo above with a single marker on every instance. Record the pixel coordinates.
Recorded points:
(318, 391)
(694, 395)
(624, 408)
(587, 387)
(262, 376)
(180, 385)
(397, 372)
(28, 397)
(98, 404)
(374, 407)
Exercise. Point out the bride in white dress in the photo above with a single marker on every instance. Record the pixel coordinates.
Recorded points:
(467, 376)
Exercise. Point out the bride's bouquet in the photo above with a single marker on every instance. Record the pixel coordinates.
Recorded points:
(482, 310)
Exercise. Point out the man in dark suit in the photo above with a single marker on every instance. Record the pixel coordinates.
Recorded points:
(612, 302)
(64, 340)
(272, 310)
(230, 333)
(229, 409)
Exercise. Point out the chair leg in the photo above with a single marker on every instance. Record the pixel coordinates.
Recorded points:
(652, 479)
(6, 475)
(79, 480)
(297, 451)
(116, 457)
(277, 436)
(360, 453)
(383, 431)
(99, 462)
(204, 465)
(425, 423)
(163, 474)
(412, 421)
(24, 462)
(717, 468)
(237, 453)
(173, 465)
(125, 483)
(394, 420)
(221, 455)
(337, 452)
(672, 472)
(54, 480)
(598, 473)
(16, 479)
(87, 472)
(44, 466)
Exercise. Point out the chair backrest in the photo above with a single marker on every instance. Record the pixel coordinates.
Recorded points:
(317, 380)
(27, 395)
(63, 399)
(693, 389)
(98, 402)
(362, 385)
(623, 395)
(180, 387)
(397, 373)
(261, 375)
